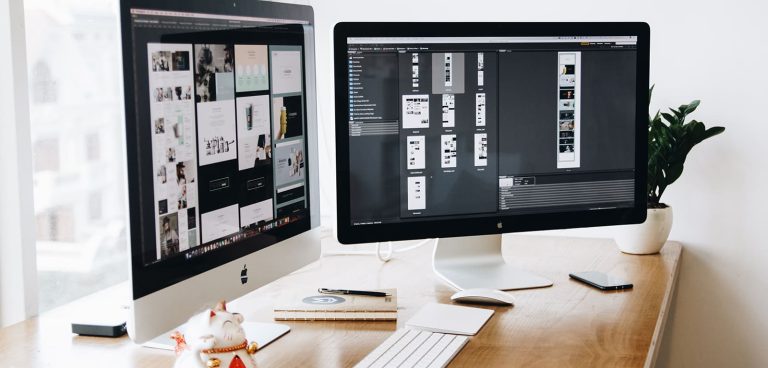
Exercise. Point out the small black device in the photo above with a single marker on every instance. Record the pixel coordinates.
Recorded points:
(100, 329)
(600, 280)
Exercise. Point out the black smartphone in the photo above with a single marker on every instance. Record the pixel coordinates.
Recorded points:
(600, 280)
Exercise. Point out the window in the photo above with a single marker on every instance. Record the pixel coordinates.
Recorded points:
(76, 122)
(46, 152)
(42, 85)
(94, 206)
(92, 147)
(56, 225)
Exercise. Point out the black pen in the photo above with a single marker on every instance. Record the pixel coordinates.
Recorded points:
(350, 292)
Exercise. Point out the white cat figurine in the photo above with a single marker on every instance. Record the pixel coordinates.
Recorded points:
(212, 339)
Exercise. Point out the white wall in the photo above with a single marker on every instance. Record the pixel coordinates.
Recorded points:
(713, 51)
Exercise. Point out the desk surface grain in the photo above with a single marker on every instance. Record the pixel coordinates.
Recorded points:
(567, 325)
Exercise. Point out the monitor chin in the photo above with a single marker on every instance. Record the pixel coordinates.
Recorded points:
(160, 313)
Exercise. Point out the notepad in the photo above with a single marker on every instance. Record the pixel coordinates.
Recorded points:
(450, 319)
(311, 306)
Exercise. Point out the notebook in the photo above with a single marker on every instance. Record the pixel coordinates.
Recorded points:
(308, 306)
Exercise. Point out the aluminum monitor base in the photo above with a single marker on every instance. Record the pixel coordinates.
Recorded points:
(476, 262)
(260, 333)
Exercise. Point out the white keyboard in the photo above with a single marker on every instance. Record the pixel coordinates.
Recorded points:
(408, 348)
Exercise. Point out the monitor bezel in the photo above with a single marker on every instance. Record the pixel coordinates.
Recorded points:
(146, 280)
(349, 234)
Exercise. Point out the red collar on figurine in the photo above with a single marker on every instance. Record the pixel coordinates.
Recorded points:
(227, 349)
(181, 344)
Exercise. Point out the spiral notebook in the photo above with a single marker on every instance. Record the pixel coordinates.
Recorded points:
(324, 307)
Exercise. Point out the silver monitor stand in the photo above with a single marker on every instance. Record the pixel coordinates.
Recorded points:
(476, 262)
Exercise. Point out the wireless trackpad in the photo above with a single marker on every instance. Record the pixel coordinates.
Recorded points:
(451, 319)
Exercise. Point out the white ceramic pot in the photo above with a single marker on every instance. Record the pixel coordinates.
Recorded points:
(648, 237)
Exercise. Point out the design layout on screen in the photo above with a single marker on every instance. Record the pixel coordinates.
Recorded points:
(226, 117)
(526, 125)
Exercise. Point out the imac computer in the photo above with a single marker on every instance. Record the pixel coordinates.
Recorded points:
(221, 149)
(465, 131)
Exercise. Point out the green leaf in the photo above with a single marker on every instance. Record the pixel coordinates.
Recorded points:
(673, 172)
(652, 119)
(697, 131)
(669, 118)
(713, 131)
(691, 107)
(676, 132)
(670, 140)
(678, 113)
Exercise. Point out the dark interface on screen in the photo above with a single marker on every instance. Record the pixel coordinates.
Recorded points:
(457, 127)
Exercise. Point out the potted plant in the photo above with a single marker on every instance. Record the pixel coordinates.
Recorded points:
(670, 139)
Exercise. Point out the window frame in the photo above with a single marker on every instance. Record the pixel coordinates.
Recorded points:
(18, 268)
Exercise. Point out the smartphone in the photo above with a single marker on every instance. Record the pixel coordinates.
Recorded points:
(600, 280)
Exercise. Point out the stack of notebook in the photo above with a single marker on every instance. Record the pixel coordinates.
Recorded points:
(325, 307)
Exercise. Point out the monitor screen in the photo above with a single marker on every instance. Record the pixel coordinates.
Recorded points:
(217, 143)
(454, 128)
(464, 126)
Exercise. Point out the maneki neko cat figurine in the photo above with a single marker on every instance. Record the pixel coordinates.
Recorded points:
(213, 339)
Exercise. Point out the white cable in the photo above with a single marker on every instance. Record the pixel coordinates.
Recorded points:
(383, 257)
(388, 256)
(412, 247)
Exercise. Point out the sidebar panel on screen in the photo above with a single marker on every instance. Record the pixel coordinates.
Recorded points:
(374, 136)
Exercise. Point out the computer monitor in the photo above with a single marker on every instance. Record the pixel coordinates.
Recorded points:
(221, 142)
(464, 131)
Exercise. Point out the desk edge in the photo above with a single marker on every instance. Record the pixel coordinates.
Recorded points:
(661, 321)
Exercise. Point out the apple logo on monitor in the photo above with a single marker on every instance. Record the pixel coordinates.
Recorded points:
(244, 275)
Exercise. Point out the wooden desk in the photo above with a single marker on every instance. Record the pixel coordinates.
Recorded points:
(567, 325)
